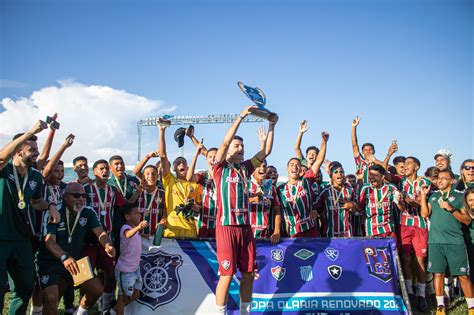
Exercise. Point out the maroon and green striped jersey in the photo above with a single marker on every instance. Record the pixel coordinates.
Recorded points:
(207, 217)
(152, 208)
(411, 216)
(232, 193)
(261, 212)
(362, 167)
(297, 202)
(378, 205)
(330, 202)
(106, 213)
(52, 194)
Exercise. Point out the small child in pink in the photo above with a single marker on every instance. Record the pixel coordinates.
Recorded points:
(127, 269)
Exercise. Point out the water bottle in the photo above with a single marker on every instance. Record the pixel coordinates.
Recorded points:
(158, 235)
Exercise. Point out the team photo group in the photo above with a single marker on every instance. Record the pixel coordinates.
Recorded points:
(49, 225)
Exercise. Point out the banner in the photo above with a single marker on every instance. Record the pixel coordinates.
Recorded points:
(296, 276)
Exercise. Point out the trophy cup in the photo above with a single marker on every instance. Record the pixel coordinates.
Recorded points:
(257, 96)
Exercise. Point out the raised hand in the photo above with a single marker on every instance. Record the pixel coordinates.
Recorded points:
(262, 134)
(69, 140)
(325, 135)
(355, 121)
(246, 111)
(143, 225)
(303, 126)
(273, 119)
(393, 147)
(38, 127)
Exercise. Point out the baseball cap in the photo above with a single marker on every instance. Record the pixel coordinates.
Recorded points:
(179, 136)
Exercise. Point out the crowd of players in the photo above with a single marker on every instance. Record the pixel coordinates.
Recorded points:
(47, 225)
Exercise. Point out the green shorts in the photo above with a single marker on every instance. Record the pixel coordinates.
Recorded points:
(452, 256)
(49, 273)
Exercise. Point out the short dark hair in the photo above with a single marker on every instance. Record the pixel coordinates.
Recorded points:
(60, 162)
(351, 176)
(238, 138)
(79, 158)
(150, 166)
(448, 171)
(211, 149)
(417, 162)
(128, 208)
(334, 165)
(312, 148)
(293, 158)
(101, 161)
(378, 168)
(31, 138)
(432, 171)
(115, 158)
(399, 159)
(368, 145)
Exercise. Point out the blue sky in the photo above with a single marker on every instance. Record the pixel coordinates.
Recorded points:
(405, 67)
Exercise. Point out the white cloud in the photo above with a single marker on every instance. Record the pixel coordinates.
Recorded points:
(103, 119)
(11, 84)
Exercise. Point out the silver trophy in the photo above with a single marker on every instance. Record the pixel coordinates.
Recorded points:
(257, 96)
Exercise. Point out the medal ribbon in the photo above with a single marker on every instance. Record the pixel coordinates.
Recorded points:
(21, 192)
(124, 190)
(379, 201)
(334, 200)
(101, 203)
(291, 195)
(241, 174)
(69, 231)
(150, 203)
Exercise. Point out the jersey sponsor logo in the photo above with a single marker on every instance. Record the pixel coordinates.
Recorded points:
(161, 281)
(306, 273)
(335, 271)
(277, 255)
(232, 179)
(379, 263)
(32, 184)
(331, 253)
(303, 254)
(278, 273)
(83, 221)
(44, 279)
(225, 264)
(451, 199)
(462, 269)
(62, 225)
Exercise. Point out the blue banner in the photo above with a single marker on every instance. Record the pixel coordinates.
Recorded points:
(296, 276)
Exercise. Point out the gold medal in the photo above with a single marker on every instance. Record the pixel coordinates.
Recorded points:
(69, 240)
(21, 204)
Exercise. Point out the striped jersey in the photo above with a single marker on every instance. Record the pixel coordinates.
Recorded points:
(297, 201)
(261, 212)
(152, 208)
(105, 213)
(232, 193)
(362, 167)
(330, 201)
(52, 194)
(411, 216)
(378, 205)
(207, 217)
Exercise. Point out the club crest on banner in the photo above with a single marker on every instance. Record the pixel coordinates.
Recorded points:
(278, 273)
(335, 271)
(277, 255)
(161, 282)
(331, 253)
(378, 263)
(303, 254)
(306, 273)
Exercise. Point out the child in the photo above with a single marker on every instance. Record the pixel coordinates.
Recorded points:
(127, 269)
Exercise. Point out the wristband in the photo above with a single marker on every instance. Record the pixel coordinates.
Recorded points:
(241, 117)
(63, 257)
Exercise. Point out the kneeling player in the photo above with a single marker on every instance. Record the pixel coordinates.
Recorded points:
(62, 246)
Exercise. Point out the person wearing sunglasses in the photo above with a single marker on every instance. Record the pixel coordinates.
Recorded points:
(62, 246)
(467, 175)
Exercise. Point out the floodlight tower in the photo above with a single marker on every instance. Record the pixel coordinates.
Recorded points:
(189, 120)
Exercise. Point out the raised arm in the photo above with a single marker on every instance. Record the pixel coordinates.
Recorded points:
(266, 148)
(190, 134)
(222, 151)
(355, 145)
(322, 153)
(303, 128)
(391, 151)
(190, 176)
(165, 165)
(7, 152)
(43, 158)
(425, 210)
(57, 156)
(137, 170)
